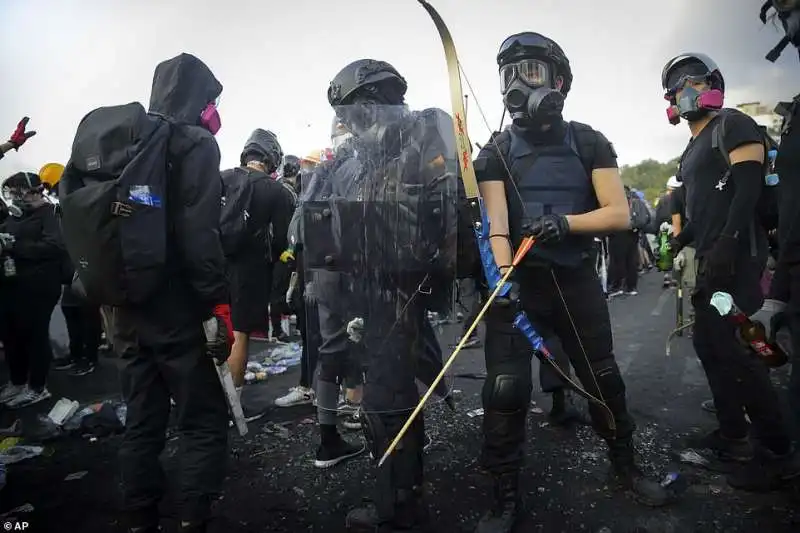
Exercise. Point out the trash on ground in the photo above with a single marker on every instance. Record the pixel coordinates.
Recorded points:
(8, 442)
(475, 412)
(691, 456)
(63, 411)
(15, 454)
(76, 475)
(24, 508)
(14, 430)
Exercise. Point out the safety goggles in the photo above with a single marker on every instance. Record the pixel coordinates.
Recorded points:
(531, 72)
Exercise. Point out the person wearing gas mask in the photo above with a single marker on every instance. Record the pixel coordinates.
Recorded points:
(782, 306)
(18, 137)
(291, 173)
(255, 244)
(163, 343)
(378, 236)
(558, 182)
(32, 254)
(728, 234)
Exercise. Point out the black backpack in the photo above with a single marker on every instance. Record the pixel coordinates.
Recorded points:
(113, 203)
(767, 207)
(237, 196)
(641, 217)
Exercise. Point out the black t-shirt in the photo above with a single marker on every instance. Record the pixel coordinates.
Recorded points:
(677, 201)
(708, 200)
(492, 168)
(788, 168)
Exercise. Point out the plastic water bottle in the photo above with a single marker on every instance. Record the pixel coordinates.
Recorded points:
(771, 178)
(9, 267)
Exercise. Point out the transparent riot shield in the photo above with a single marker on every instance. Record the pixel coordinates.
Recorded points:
(378, 231)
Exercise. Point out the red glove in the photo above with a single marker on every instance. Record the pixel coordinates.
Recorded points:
(19, 136)
(223, 312)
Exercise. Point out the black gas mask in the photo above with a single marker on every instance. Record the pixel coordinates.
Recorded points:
(788, 13)
(22, 193)
(528, 94)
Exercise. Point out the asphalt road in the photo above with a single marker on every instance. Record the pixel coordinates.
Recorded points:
(274, 487)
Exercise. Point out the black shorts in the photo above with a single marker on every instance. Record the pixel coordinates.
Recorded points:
(250, 287)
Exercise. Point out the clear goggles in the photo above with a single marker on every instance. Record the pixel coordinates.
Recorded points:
(531, 72)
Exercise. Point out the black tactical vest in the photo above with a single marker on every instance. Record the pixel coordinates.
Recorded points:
(551, 179)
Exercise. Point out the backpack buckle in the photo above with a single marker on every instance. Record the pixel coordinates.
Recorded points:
(121, 209)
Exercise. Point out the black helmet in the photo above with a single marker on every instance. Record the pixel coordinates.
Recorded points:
(530, 45)
(291, 166)
(24, 181)
(691, 64)
(379, 76)
(265, 144)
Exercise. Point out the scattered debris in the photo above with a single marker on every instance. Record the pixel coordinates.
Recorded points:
(475, 412)
(693, 457)
(15, 454)
(76, 475)
(63, 411)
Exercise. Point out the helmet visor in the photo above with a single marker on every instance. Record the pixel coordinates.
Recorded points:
(531, 72)
(676, 79)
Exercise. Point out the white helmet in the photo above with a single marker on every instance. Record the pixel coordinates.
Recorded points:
(673, 183)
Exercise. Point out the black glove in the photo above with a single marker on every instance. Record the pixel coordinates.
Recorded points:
(675, 246)
(721, 263)
(547, 228)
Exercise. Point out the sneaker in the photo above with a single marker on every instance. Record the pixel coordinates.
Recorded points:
(353, 422)
(82, 369)
(614, 293)
(336, 452)
(10, 391)
(709, 406)
(66, 363)
(28, 397)
(632, 293)
(296, 396)
(346, 408)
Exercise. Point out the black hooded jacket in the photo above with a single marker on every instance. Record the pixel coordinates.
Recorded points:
(182, 87)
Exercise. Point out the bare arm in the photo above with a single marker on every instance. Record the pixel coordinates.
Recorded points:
(494, 198)
(613, 213)
(676, 224)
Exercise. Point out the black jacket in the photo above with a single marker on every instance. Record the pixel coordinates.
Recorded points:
(38, 250)
(182, 87)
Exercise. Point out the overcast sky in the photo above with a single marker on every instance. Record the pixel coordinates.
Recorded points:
(275, 59)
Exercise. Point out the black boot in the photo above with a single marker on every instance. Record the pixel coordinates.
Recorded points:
(563, 412)
(627, 475)
(410, 515)
(398, 504)
(506, 505)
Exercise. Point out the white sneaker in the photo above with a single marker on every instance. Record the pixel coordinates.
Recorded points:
(10, 391)
(28, 397)
(296, 396)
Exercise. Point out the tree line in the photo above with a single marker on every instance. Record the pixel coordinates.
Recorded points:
(649, 176)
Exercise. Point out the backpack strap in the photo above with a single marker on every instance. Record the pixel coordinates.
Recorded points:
(582, 138)
(718, 139)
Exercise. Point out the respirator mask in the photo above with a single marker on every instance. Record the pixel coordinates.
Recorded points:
(528, 96)
(21, 199)
(209, 117)
(686, 101)
(373, 123)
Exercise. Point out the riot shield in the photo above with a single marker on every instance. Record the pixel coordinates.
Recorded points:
(379, 231)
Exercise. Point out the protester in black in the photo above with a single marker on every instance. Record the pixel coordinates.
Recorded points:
(623, 267)
(559, 182)
(31, 255)
(84, 327)
(731, 247)
(161, 343)
(251, 263)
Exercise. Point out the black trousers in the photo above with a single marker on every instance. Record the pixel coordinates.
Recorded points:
(623, 267)
(739, 382)
(25, 311)
(84, 328)
(507, 389)
(394, 346)
(151, 374)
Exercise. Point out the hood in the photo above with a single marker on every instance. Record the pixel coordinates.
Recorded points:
(182, 87)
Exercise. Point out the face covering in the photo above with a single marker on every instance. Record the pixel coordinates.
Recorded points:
(209, 118)
(694, 105)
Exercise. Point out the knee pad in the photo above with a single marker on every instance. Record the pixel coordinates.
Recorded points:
(507, 392)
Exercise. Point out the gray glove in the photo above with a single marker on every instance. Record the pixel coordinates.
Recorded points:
(6, 242)
(768, 316)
